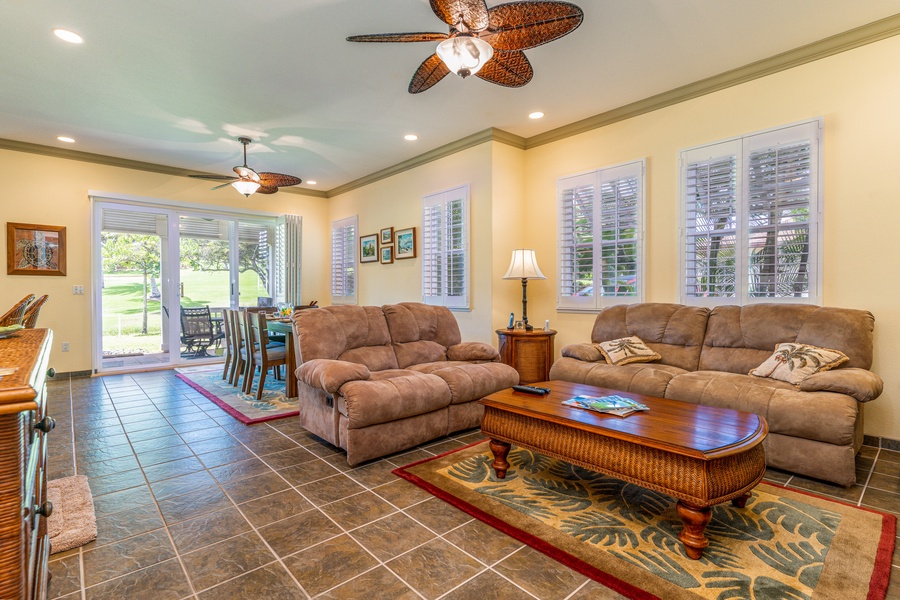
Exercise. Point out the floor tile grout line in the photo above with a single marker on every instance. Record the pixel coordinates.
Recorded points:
(869, 477)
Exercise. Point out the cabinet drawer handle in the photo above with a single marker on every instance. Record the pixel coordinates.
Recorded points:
(45, 509)
(51, 372)
(46, 424)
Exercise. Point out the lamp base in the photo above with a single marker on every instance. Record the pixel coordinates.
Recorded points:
(529, 327)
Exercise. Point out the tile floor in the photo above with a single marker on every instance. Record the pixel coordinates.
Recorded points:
(190, 503)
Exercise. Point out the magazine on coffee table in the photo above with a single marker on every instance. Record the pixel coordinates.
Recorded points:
(610, 405)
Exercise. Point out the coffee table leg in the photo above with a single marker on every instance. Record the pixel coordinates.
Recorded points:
(741, 501)
(500, 450)
(695, 520)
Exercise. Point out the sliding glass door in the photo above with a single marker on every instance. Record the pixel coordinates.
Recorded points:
(164, 277)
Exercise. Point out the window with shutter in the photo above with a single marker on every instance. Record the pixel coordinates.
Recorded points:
(343, 261)
(750, 218)
(600, 233)
(445, 248)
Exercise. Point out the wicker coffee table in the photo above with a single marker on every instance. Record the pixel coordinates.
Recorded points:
(700, 455)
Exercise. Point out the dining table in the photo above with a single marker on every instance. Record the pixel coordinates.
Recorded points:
(283, 325)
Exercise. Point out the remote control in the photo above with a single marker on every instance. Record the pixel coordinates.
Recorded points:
(530, 389)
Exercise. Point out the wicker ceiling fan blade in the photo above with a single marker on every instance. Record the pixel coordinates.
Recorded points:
(471, 14)
(429, 73)
(523, 25)
(215, 177)
(277, 180)
(509, 69)
(245, 172)
(412, 36)
(265, 189)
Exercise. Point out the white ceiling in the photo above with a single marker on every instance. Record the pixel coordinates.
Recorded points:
(173, 82)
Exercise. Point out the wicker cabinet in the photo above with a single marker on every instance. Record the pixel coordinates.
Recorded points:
(24, 545)
(528, 352)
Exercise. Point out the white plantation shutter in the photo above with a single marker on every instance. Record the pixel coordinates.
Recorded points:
(600, 232)
(343, 261)
(445, 248)
(751, 224)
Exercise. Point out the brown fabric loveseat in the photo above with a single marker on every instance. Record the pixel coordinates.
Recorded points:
(376, 380)
(815, 430)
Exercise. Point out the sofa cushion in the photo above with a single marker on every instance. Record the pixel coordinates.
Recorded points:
(420, 332)
(624, 351)
(739, 338)
(821, 416)
(644, 378)
(386, 399)
(672, 330)
(472, 351)
(356, 334)
(585, 352)
(795, 362)
(330, 375)
(471, 381)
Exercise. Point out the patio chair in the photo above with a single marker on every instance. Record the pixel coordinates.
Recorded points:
(15, 314)
(29, 319)
(197, 333)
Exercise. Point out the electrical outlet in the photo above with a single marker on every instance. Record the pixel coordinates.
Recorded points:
(65, 346)
(78, 290)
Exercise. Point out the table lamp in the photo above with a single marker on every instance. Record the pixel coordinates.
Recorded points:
(524, 266)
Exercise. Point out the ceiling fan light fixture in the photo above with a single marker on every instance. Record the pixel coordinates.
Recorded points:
(247, 188)
(465, 54)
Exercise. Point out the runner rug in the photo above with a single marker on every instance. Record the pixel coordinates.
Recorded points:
(244, 407)
(783, 544)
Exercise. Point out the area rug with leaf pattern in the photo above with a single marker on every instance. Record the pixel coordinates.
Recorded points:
(207, 379)
(783, 544)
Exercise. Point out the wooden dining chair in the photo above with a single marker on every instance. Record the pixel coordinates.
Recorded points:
(29, 319)
(14, 315)
(264, 355)
(239, 364)
(228, 354)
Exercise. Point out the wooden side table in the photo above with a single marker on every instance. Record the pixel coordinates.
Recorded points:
(528, 352)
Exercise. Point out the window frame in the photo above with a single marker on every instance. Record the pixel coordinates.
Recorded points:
(339, 227)
(636, 169)
(443, 200)
(742, 148)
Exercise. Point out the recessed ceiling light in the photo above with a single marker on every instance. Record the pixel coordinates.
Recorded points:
(310, 182)
(68, 36)
(536, 115)
(66, 139)
(410, 137)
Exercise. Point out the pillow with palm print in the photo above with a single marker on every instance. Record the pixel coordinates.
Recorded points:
(627, 350)
(795, 362)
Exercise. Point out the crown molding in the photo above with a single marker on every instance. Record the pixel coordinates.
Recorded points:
(841, 42)
(123, 163)
(491, 134)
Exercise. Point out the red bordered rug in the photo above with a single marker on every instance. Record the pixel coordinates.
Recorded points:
(244, 407)
(783, 544)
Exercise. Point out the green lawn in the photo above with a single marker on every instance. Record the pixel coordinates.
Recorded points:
(123, 306)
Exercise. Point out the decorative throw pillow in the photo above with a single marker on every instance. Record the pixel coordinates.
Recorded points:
(795, 362)
(627, 350)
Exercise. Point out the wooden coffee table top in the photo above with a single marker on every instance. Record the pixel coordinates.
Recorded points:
(693, 430)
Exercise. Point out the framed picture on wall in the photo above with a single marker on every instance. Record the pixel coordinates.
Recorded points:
(368, 248)
(406, 243)
(387, 255)
(35, 249)
(387, 236)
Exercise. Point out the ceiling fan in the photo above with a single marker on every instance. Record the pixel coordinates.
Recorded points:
(486, 42)
(249, 181)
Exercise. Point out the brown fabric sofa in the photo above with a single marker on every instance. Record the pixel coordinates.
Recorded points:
(376, 380)
(815, 430)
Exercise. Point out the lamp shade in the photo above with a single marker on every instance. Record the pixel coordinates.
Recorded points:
(464, 54)
(523, 266)
(245, 187)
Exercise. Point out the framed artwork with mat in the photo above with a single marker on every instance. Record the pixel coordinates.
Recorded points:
(35, 249)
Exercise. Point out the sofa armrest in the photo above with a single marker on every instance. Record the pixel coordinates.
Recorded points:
(473, 351)
(859, 383)
(584, 352)
(329, 375)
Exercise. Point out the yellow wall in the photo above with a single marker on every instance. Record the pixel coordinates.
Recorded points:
(397, 202)
(53, 191)
(857, 93)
